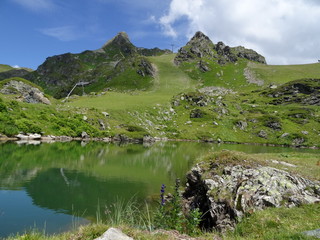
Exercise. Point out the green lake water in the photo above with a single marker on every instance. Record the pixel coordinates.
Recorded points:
(53, 187)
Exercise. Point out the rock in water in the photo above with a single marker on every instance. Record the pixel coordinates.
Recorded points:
(114, 234)
(226, 193)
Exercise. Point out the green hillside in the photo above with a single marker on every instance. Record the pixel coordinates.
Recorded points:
(169, 81)
(280, 74)
(207, 91)
(4, 67)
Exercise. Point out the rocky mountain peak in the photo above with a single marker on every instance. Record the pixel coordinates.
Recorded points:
(200, 46)
(121, 38)
(120, 44)
(199, 37)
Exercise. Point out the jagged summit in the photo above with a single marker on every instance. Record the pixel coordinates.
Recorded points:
(120, 39)
(200, 48)
(199, 37)
(120, 44)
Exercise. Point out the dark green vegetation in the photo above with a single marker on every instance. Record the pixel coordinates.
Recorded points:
(207, 91)
(18, 117)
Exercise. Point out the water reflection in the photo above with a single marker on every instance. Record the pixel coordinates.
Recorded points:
(47, 185)
(65, 179)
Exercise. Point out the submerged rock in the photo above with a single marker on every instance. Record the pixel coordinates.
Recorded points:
(226, 193)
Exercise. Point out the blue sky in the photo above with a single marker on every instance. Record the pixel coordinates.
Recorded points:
(284, 31)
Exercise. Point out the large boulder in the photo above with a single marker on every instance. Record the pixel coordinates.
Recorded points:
(26, 92)
(225, 193)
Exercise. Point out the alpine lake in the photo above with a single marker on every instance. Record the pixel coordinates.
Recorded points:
(54, 187)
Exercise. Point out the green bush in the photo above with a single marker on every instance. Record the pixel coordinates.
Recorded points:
(170, 215)
(27, 126)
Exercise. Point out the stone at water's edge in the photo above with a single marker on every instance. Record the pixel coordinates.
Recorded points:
(237, 190)
(114, 234)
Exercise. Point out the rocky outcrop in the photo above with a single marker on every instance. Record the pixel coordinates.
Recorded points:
(198, 47)
(303, 91)
(226, 192)
(25, 91)
(145, 68)
(201, 47)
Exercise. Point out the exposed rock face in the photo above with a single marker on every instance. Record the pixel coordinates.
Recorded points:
(27, 93)
(304, 91)
(226, 193)
(200, 46)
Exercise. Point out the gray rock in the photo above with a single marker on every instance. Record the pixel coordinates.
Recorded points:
(85, 135)
(27, 92)
(298, 141)
(263, 134)
(102, 125)
(29, 136)
(313, 233)
(114, 234)
(242, 125)
(237, 190)
(285, 135)
(105, 114)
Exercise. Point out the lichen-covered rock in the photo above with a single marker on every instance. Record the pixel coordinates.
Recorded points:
(226, 193)
(25, 92)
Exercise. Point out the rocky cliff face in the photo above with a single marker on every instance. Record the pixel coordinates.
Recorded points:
(226, 192)
(201, 47)
(58, 74)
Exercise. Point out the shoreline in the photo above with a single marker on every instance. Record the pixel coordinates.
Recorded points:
(124, 139)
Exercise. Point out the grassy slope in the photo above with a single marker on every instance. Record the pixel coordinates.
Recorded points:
(280, 74)
(169, 81)
(4, 68)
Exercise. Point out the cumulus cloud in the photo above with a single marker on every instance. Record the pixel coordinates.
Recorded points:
(63, 33)
(36, 5)
(285, 31)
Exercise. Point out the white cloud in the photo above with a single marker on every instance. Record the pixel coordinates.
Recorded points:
(284, 31)
(64, 33)
(36, 5)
